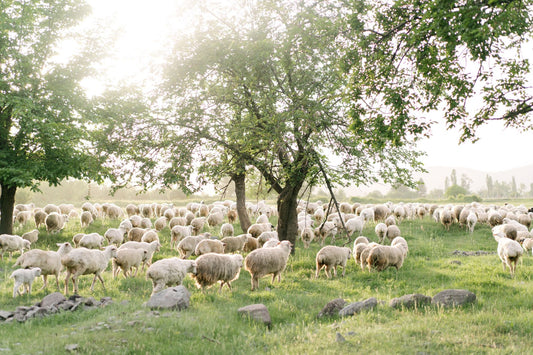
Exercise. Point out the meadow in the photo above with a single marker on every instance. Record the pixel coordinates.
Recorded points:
(499, 322)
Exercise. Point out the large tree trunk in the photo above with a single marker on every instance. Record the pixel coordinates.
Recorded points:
(7, 203)
(287, 214)
(240, 193)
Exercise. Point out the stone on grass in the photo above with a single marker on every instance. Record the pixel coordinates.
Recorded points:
(171, 298)
(5, 315)
(410, 301)
(453, 298)
(257, 312)
(332, 308)
(72, 347)
(357, 307)
(52, 299)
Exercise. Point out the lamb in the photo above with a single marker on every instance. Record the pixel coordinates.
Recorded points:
(86, 218)
(509, 250)
(471, 221)
(128, 258)
(187, 245)
(115, 235)
(150, 248)
(332, 256)
(212, 268)
(256, 229)
(169, 272)
(197, 225)
(150, 236)
(209, 246)
(31, 236)
(234, 244)
(381, 231)
(24, 278)
(307, 236)
(55, 222)
(92, 241)
(262, 262)
(85, 261)
(48, 261)
(226, 230)
(178, 233)
(11, 243)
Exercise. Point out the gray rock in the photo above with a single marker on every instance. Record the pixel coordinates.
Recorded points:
(339, 338)
(332, 308)
(410, 301)
(38, 312)
(52, 299)
(171, 298)
(72, 347)
(104, 301)
(453, 298)
(257, 312)
(91, 302)
(66, 305)
(5, 315)
(20, 317)
(357, 307)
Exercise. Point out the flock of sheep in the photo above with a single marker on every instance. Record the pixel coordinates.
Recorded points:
(220, 259)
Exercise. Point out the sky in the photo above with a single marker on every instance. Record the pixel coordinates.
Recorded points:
(145, 23)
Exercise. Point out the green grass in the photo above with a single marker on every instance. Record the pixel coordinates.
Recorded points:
(500, 321)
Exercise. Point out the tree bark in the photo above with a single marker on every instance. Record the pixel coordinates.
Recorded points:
(240, 193)
(287, 215)
(7, 204)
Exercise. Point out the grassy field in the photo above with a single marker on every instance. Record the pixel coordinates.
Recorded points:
(500, 321)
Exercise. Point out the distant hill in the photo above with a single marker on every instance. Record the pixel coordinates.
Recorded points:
(436, 175)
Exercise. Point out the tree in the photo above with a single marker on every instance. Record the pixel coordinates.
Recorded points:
(265, 90)
(514, 190)
(465, 182)
(453, 177)
(410, 57)
(44, 131)
(490, 185)
(421, 187)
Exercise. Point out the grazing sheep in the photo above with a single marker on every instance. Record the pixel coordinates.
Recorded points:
(31, 236)
(215, 219)
(76, 239)
(150, 248)
(232, 216)
(51, 208)
(178, 233)
(114, 212)
(392, 232)
(357, 250)
(115, 235)
(169, 272)
(150, 236)
(177, 221)
(332, 256)
(126, 225)
(135, 234)
(262, 262)
(85, 261)
(494, 218)
(471, 221)
(136, 221)
(48, 261)
(24, 278)
(23, 217)
(446, 218)
(363, 256)
(272, 243)
(505, 230)
(234, 244)
(146, 223)
(226, 230)
(40, 218)
(381, 212)
(355, 225)
(381, 231)
(197, 225)
(390, 220)
(384, 256)
(55, 222)
(307, 235)
(10, 243)
(527, 244)
(187, 245)
(263, 218)
(361, 240)
(212, 268)
(209, 246)
(266, 236)
(132, 209)
(256, 229)
(328, 229)
(368, 214)
(509, 250)
(128, 258)
(251, 244)
(86, 218)
(92, 241)
(160, 224)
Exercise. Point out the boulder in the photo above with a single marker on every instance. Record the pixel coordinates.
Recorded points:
(52, 299)
(453, 298)
(332, 308)
(257, 312)
(357, 307)
(171, 298)
(410, 301)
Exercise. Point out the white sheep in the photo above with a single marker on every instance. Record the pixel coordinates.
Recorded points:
(146, 223)
(307, 235)
(48, 261)
(263, 218)
(509, 250)
(384, 256)
(126, 225)
(40, 218)
(24, 278)
(197, 225)
(177, 221)
(272, 243)
(264, 261)
(187, 245)
(135, 234)
(392, 232)
(85, 261)
(215, 219)
(251, 244)
(355, 225)
(266, 236)
(527, 244)
(332, 256)
(212, 268)
(136, 221)
(357, 250)
(234, 244)
(381, 231)
(326, 230)
(128, 258)
(92, 241)
(256, 229)
(169, 272)
(150, 248)
(363, 256)
(115, 235)
(471, 221)
(86, 218)
(150, 236)
(209, 246)
(160, 223)
(55, 222)
(31, 236)
(361, 240)
(178, 233)
(226, 230)
(10, 243)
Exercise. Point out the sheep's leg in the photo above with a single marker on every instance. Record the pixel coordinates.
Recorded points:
(318, 268)
(101, 280)
(255, 282)
(29, 288)
(335, 271)
(343, 270)
(66, 282)
(16, 289)
(136, 270)
(44, 282)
